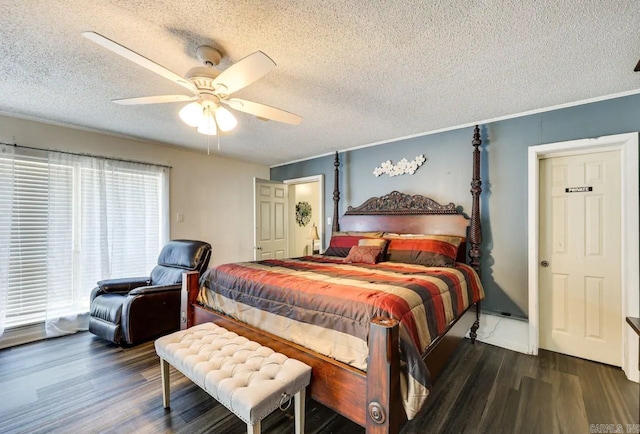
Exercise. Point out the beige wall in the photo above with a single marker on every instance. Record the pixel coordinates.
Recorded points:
(214, 194)
(299, 243)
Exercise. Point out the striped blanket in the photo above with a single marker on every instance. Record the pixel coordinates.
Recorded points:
(326, 305)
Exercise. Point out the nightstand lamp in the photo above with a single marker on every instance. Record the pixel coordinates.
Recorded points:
(313, 236)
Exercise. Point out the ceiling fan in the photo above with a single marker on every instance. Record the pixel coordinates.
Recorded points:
(210, 89)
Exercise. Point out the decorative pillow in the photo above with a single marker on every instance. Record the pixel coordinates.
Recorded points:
(431, 251)
(364, 255)
(341, 242)
(376, 242)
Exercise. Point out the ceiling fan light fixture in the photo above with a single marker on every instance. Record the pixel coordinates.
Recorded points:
(225, 119)
(192, 114)
(208, 122)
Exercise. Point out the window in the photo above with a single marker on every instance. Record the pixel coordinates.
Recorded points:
(72, 221)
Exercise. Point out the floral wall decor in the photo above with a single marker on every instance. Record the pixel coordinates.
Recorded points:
(303, 213)
(403, 167)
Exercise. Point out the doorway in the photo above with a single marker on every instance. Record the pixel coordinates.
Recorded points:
(627, 155)
(306, 214)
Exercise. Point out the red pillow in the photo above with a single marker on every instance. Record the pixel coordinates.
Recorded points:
(364, 255)
(434, 252)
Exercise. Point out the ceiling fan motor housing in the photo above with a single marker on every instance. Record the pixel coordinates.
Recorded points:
(208, 55)
(203, 77)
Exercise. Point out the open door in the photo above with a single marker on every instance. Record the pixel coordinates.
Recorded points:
(270, 220)
(310, 190)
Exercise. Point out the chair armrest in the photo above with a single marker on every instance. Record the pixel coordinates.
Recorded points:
(146, 290)
(149, 312)
(122, 285)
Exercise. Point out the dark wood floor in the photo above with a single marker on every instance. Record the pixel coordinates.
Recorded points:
(79, 384)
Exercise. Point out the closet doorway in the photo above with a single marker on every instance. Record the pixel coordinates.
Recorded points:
(306, 212)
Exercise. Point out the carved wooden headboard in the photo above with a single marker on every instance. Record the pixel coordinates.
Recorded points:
(405, 214)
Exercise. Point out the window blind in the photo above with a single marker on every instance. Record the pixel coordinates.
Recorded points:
(27, 282)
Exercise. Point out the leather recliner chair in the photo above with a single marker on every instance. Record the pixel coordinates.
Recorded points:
(137, 309)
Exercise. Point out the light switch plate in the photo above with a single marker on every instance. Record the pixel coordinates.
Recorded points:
(179, 217)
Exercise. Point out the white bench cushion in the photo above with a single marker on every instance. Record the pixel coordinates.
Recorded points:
(244, 376)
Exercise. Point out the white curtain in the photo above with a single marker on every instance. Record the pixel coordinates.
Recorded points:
(165, 216)
(6, 207)
(67, 303)
(67, 221)
(107, 219)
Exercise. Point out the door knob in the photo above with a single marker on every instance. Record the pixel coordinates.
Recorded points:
(544, 263)
(258, 248)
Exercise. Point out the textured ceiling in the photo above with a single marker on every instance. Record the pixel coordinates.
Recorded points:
(357, 72)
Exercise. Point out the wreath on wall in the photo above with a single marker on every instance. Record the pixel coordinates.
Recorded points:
(303, 213)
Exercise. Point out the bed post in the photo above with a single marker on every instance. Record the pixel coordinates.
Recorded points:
(475, 230)
(187, 298)
(336, 194)
(384, 406)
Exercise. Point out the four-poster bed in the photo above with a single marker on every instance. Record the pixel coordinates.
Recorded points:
(369, 395)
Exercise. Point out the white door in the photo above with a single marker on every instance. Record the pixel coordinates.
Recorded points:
(270, 215)
(579, 270)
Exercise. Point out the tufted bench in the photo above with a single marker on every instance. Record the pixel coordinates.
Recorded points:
(249, 379)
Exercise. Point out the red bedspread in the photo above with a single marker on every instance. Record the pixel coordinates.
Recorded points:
(326, 305)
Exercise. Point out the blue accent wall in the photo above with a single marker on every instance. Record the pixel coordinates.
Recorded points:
(446, 177)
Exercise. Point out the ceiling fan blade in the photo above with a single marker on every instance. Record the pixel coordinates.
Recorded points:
(139, 59)
(263, 111)
(159, 99)
(243, 73)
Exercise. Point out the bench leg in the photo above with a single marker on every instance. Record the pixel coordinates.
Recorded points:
(164, 371)
(253, 429)
(298, 405)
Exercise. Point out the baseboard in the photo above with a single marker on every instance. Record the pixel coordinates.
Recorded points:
(504, 332)
(22, 335)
